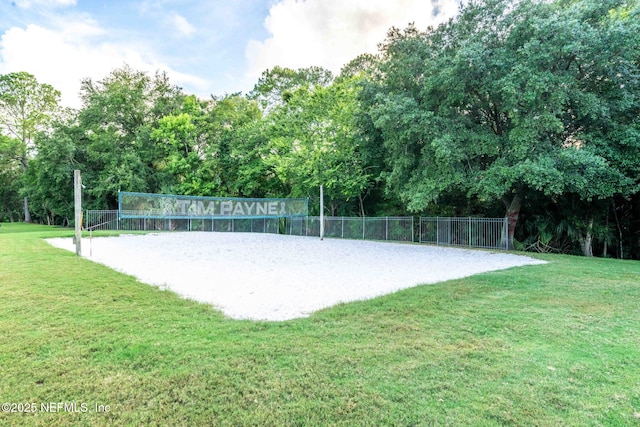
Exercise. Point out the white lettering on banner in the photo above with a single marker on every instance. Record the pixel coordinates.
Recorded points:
(249, 207)
(209, 210)
(183, 206)
(273, 208)
(261, 208)
(238, 211)
(226, 208)
(152, 205)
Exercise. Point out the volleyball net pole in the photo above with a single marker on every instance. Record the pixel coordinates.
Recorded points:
(77, 200)
(321, 212)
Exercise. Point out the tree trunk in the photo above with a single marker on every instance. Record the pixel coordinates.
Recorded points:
(27, 214)
(513, 206)
(615, 215)
(361, 200)
(333, 208)
(606, 245)
(586, 241)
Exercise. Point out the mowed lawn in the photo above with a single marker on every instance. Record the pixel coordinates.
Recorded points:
(546, 345)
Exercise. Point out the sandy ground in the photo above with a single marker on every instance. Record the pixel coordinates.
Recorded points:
(276, 277)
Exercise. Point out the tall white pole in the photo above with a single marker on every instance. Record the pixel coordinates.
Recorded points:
(77, 186)
(321, 212)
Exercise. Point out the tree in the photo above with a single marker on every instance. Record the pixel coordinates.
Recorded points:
(512, 98)
(365, 73)
(49, 179)
(215, 147)
(315, 142)
(118, 115)
(276, 85)
(365, 65)
(10, 172)
(184, 146)
(239, 144)
(26, 108)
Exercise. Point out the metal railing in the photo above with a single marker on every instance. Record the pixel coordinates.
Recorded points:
(399, 229)
(109, 220)
(490, 233)
(101, 220)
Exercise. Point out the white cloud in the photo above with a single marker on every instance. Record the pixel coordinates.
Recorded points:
(330, 33)
(183, 26)
(49, 4)
(62, 58)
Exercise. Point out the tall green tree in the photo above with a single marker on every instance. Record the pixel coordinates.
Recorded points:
(215, 147)
(49, 179)
(250, 146)
(364, 65)
(276, 85)
(118, 115)
(364, 72)
(10, 173)
(511, 98)
(222, 127)
(26, 108)
(315, 142)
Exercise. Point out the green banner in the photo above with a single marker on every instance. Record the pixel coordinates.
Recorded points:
(147, 205)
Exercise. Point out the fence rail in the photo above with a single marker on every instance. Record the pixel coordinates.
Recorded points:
(490, 233)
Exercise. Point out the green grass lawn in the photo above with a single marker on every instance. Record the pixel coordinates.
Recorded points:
(546, 345)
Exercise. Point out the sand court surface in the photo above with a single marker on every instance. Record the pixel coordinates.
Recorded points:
(277, 277)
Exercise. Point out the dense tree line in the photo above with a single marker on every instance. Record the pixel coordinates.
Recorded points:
(526, 109)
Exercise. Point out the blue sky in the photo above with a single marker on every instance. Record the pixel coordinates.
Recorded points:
(206, 47)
